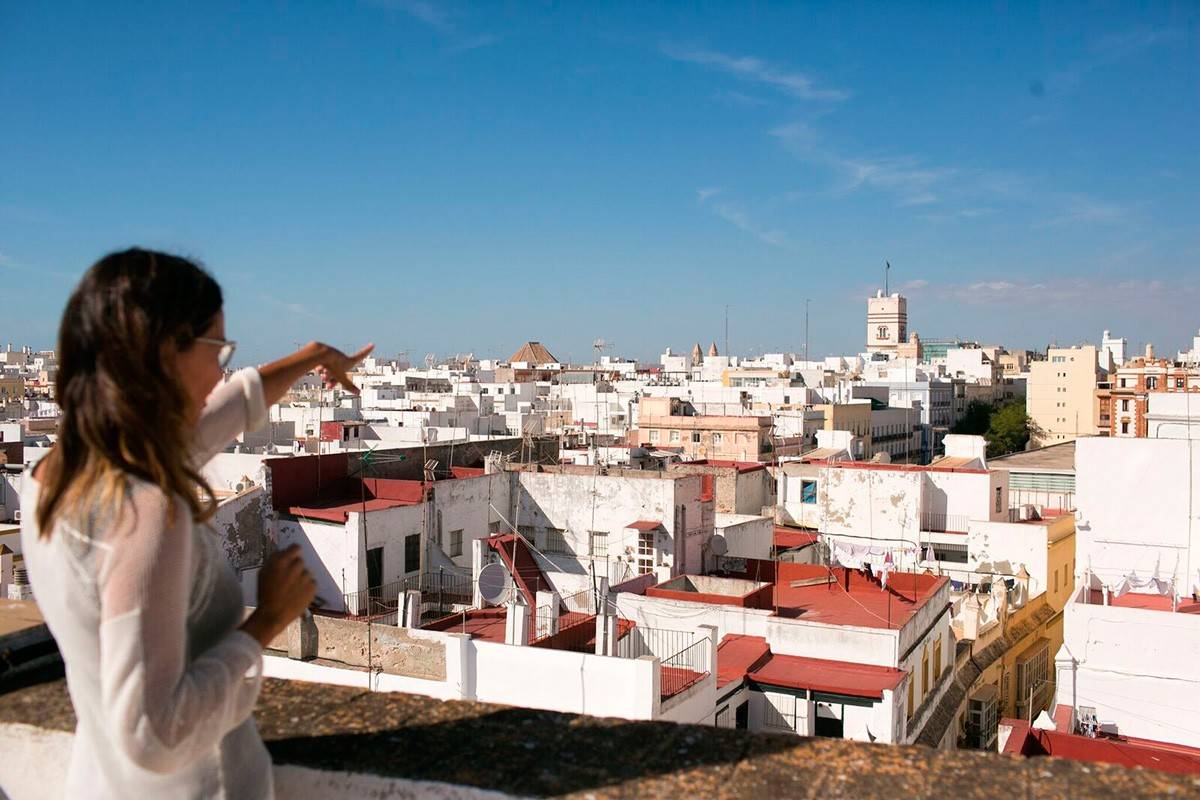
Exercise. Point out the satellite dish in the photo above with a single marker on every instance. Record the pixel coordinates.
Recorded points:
(495, 585)
(718, 545)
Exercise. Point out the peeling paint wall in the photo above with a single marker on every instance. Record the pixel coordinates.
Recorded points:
(577, 503)
(239, 523)
(870, 503)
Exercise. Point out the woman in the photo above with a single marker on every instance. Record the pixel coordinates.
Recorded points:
(162, 669)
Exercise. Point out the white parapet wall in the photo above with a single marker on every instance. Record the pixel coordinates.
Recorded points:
(1136, 667)
(453, 666)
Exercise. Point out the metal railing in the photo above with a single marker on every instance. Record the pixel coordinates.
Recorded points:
(643, 641)
(685, 668)
(938, 522)
(574, 631)
(440, 592)
(374, 600)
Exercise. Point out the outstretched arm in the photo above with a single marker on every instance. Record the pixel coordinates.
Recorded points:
(331, 363)
(241, 404)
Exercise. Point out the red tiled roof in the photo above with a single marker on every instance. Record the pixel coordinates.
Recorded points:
(905, 467)
(645, 525)
(737, 655)
(740, 466)
(1149, 602)
(851, 598)
(1124, 751)
(486, 624)
(786, 538)
(821, 675)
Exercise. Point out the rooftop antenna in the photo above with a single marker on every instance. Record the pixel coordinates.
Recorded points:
(430, 360)
(887, 269)
(727, 330)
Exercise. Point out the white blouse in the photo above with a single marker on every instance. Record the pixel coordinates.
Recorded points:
(145, 610)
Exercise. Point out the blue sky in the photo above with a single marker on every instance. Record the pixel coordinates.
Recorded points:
(453, 177)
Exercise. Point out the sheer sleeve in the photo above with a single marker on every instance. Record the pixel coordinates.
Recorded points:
(163, 709)
(235, 406)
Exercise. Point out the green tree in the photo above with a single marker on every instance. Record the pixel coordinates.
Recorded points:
(975, 420)
(1009, 429)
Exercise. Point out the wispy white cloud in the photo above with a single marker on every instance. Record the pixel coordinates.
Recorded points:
(946, 193)
(295, 308)
(1060, 292)
(435, 15)
(1106, 51)
(1078, 208)
(475, 42)
(910, 181)
(443, 18)
(739, 99)
(737, 217)
(755, 70)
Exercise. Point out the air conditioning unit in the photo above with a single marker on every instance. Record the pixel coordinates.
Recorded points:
(17, 515)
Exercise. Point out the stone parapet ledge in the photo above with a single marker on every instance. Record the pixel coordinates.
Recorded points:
(330, 741)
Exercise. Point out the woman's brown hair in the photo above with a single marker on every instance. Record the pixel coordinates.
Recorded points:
(124, 413)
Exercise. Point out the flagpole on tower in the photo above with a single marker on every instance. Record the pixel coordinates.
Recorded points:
(886, 273)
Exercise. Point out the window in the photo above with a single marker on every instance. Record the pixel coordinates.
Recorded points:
(527, 532)
(599, 544)
(412, 552)
(998, 499)
(556, 541)
(645, 553)
(1179, 383)
(912, 705)
(779, 711)
(1152, 382)
(653, 436)
(1124, 427)
(437, 533)
(808, 491)
(695, 437)
(925, 672)
(716, 438)
(937, 659)
(1123, 383)
(455, 543)
(1056, 581)
(1032, 673)
(881, 332)
(674, 436)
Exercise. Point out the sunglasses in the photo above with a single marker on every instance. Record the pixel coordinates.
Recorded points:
(225, 354)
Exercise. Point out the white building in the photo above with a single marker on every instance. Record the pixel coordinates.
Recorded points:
(1132, 631)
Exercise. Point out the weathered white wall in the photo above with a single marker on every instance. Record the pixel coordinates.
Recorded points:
(1136, 667)
(225, 470)
(1004, 547)
(834, 642)
(466, 504)
(1134, 509)
(658, 612)
(559, 680)
(578, 504)
(329, 552)
(966, 494)
(746, 536)
(871, 503)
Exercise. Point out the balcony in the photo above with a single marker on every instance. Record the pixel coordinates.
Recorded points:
(938, 522)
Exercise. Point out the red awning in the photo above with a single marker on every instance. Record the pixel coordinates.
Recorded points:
(834, 677)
